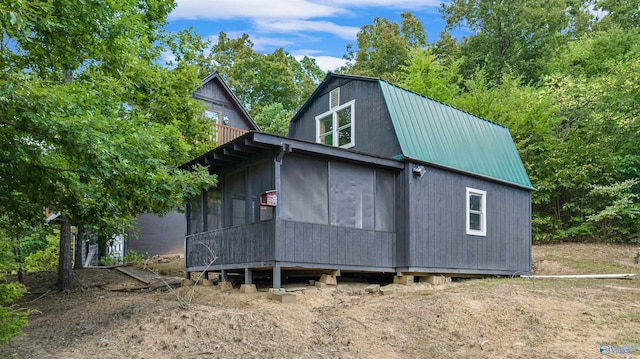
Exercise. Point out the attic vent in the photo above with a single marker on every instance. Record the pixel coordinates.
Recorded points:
(334, 98)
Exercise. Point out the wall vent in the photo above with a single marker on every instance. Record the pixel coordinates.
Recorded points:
(334, 98)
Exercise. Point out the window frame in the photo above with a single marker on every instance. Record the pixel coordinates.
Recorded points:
(335, 131)
(482, 212)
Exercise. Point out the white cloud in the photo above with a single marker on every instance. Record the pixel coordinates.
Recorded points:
(325, 63)
(167, 56)
(273, 9)
(294, 23)
(289, 26)
(262, 43)
(396, 4)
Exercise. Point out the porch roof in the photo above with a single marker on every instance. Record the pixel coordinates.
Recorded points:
(256, 144)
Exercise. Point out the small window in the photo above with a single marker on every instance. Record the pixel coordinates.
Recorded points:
(476, 212)
(335, 127)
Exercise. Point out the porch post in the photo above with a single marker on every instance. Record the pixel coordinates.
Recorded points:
(277, 280)
(248, 276)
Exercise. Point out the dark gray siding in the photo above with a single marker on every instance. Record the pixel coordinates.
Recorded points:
(437, 225)
(318, 245)
(247, 244)
(217, 99)
(373, 130)
(158, 235)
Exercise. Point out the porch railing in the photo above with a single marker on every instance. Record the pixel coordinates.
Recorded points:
(225, 134)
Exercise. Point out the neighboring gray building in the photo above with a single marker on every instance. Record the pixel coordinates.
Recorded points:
(371, 178)
(165, 235)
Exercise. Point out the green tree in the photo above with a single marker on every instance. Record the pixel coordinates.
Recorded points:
(260, 80)
(384, 47)
(91, 125)
(274, 119)
(595, 86)
(625, 14)
(427, 75)
(512, 36)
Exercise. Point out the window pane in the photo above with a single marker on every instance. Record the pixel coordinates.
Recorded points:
(344, 136)
(474, 222)
(326, 124)
(475, 202)
(344, 116)
(327, 139)
(212, 115)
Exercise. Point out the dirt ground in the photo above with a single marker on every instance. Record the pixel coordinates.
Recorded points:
(475, 318)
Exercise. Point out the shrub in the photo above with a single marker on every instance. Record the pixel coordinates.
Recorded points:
(12, 318)
(46, 260)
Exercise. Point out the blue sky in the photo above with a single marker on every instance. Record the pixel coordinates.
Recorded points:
(316, 28)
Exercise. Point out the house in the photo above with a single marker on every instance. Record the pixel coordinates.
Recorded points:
(372, 178)
(165, 235)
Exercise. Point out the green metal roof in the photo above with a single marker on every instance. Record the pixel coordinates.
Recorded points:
(439, 134)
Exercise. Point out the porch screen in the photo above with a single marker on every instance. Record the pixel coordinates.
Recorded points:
(214, 208)
(234, 193)
(196, 219)
(303, 193)
(385, 201)
(351, 196)
(260, 175)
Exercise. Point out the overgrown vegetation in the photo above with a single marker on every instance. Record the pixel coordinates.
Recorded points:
(12, 318)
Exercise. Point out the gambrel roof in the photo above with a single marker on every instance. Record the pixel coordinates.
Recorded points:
(435, 133)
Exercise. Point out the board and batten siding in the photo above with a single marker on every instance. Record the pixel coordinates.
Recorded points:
(373, 130)
(437, 238)
(155, 235)
(215, 98)
(241, 245)
(319, 245)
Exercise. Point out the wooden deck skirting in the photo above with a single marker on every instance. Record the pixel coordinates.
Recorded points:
(225, 134)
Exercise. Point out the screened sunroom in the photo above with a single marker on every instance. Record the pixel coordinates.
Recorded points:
(287, 204)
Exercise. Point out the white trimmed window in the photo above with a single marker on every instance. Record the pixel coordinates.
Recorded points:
(335, 127)
(476, 212)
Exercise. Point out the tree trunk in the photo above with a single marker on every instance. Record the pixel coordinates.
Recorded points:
(79, 259)
(65, 273)
(17, 253)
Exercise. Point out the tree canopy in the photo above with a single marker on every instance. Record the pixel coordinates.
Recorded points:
(92, 125)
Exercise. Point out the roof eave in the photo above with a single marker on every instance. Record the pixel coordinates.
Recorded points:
(472, 174)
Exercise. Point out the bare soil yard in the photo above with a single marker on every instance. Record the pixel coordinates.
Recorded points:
(477, 318)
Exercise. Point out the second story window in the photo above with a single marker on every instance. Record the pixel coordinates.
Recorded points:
(335, 127)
